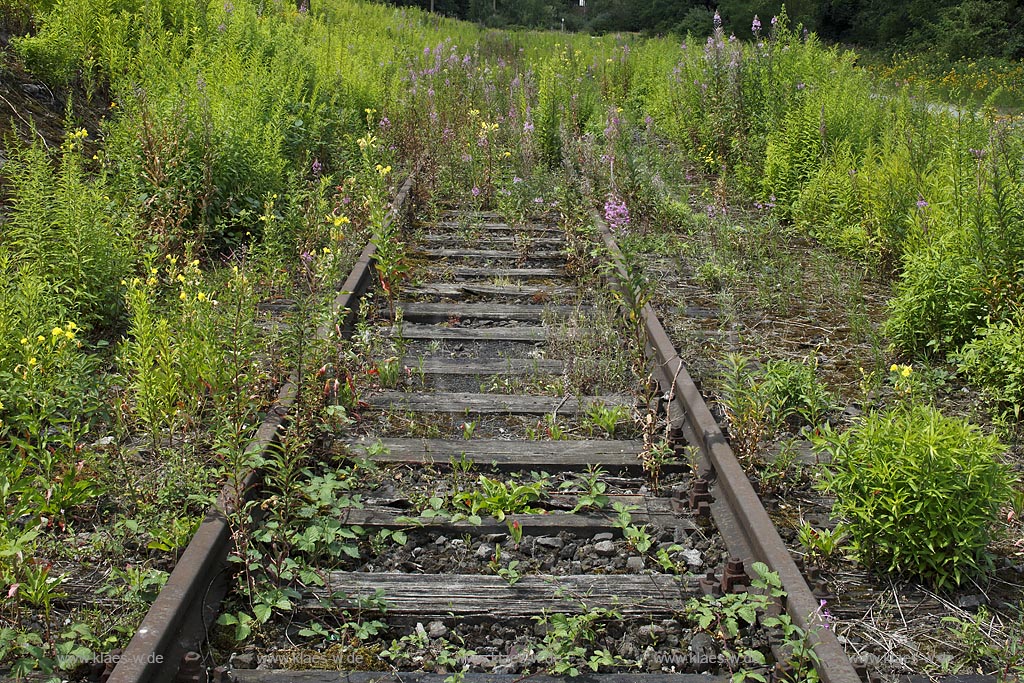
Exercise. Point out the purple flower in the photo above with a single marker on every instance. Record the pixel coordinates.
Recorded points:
(774, 20)
(528, 127)
(476, 191)
(228, 7)
(317, 167)
(616, 212)
(222, 27)
(385, 124)
(516, 180)
(756, 25)
(977, 153)
(306, 257)
(921, 203)
(800, 86)
(718, 20)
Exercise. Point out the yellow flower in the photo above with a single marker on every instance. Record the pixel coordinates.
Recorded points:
(181, 278)
(893, 367)
(151, 281)
(201, 296)
(32, 360)
(183, 296)
(56, 332)
(40, 338)
(69, 334)
(71, 326)
(906, 371)
(24, 340)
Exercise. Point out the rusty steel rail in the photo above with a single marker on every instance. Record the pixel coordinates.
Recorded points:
(741, 517)
(177, 621)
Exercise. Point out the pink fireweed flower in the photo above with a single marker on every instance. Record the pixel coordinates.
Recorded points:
(616, 213)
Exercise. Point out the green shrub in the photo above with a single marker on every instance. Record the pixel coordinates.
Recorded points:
(65, 232)
(938, 303)
(793, 391)
(920, 491)
(995, 361)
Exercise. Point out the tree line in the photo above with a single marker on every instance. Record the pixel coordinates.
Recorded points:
(954, 29)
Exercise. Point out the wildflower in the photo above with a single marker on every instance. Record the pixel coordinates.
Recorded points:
(616, 212)
(905, 372)
(183, 296)
(516, 180)
(201, 296)
(32, 360)
(476, 191)
(893, 367)
(69, 334)
(56, 332)
(40, 338)
(826, 616)
(718, 20)
(317, 167)
(756, 25)
(921, 203)
(24, 340)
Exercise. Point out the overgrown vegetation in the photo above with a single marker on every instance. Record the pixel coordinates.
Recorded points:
(248, 150)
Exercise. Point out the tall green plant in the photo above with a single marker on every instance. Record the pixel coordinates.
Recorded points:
(894, 474)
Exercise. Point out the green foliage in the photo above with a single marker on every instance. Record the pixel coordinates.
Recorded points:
(893, 474)
(65, 245)
(499, 498)
(995, 361)
(605, 419)
(570, 641)
(794, 391)
(638, 538)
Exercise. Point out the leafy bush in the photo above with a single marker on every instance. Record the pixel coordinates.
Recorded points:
(794, 391)
(895, 474)
(65, 232)
(995, 361)
(938, 303)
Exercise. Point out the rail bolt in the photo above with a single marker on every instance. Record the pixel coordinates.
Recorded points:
(709, 584)
(734, 578)
(699, 493)
(191, 669)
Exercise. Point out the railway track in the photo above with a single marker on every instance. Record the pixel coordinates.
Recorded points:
(517, 480)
